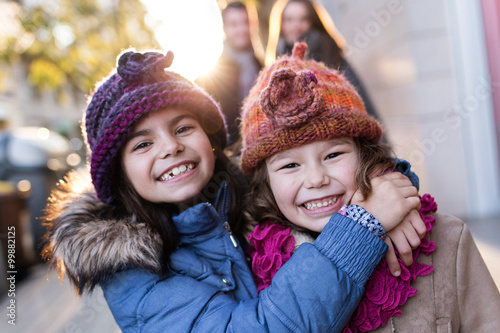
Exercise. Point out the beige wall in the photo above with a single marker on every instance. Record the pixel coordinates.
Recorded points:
(424, 64)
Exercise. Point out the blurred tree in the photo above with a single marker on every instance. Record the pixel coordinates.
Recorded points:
(66, 46)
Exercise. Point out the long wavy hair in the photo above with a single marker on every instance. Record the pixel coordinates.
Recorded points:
(319, 18)
(260, 204)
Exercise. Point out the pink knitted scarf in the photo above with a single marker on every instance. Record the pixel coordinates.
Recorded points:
(385, 294)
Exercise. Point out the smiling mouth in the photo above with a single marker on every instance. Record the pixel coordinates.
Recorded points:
(176, 171)
(317, 204)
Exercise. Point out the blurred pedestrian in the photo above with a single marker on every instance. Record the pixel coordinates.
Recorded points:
(307, 21)
(236, 70)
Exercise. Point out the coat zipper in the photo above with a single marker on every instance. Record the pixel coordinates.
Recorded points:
(228, 228)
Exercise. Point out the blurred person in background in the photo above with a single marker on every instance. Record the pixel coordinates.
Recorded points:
(236, 70)
(308, 21)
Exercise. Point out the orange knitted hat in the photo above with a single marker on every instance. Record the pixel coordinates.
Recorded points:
(297, 101)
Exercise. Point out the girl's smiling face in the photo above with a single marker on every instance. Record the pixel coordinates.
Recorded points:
(312, 182)
(168, 156)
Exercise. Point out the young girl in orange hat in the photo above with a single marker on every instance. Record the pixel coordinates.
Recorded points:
(313, 151)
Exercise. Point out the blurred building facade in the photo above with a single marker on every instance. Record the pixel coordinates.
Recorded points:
(429, 65)
(429, 68)
(20, 105)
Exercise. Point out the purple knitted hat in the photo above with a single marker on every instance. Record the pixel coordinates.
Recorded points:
(140, 86)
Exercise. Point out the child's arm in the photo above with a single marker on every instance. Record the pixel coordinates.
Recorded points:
(317, 290)
(392, 198)
(394, 202)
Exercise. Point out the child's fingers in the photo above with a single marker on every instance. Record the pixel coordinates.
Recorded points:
(391, 176)
(405, 206)
(408, 191)
(401, 181)
(392, 260)
(413, 203)
(417, 223)
(412, 237)
(396, 183)
(403, 246)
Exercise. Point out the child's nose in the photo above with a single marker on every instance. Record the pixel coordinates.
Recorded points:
(169, 146)
(316, 177)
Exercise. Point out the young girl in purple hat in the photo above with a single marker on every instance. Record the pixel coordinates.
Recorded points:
(313, 151)
(158, 225)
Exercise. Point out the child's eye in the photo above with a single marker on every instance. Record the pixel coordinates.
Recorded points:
(141, 145)
(183, 129)
(289, 166)
(333, 155)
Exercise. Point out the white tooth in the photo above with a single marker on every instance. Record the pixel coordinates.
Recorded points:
(190, 166)
(325, 203)
(313, 205)
(176, 171)
(182, 168)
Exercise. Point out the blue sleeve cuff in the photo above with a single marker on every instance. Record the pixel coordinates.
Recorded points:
(367, 220)
(351, 247)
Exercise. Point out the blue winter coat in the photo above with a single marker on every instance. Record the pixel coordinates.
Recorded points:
(209, 287)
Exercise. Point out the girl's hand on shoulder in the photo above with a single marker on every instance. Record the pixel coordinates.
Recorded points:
(405, 237)
(393, 197)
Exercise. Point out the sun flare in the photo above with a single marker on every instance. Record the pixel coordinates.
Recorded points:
(191, 29)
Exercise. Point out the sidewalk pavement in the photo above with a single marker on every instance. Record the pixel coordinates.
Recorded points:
(44, 305)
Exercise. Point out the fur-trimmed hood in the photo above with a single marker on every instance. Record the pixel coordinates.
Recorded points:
(83, 241)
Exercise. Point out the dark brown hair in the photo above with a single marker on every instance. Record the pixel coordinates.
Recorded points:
(233, 5)
(260, 203)
(312, 15)
(158, 216)
(332, 58)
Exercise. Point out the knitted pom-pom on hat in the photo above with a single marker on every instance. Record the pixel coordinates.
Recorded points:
(297, 101)
(140, 86)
